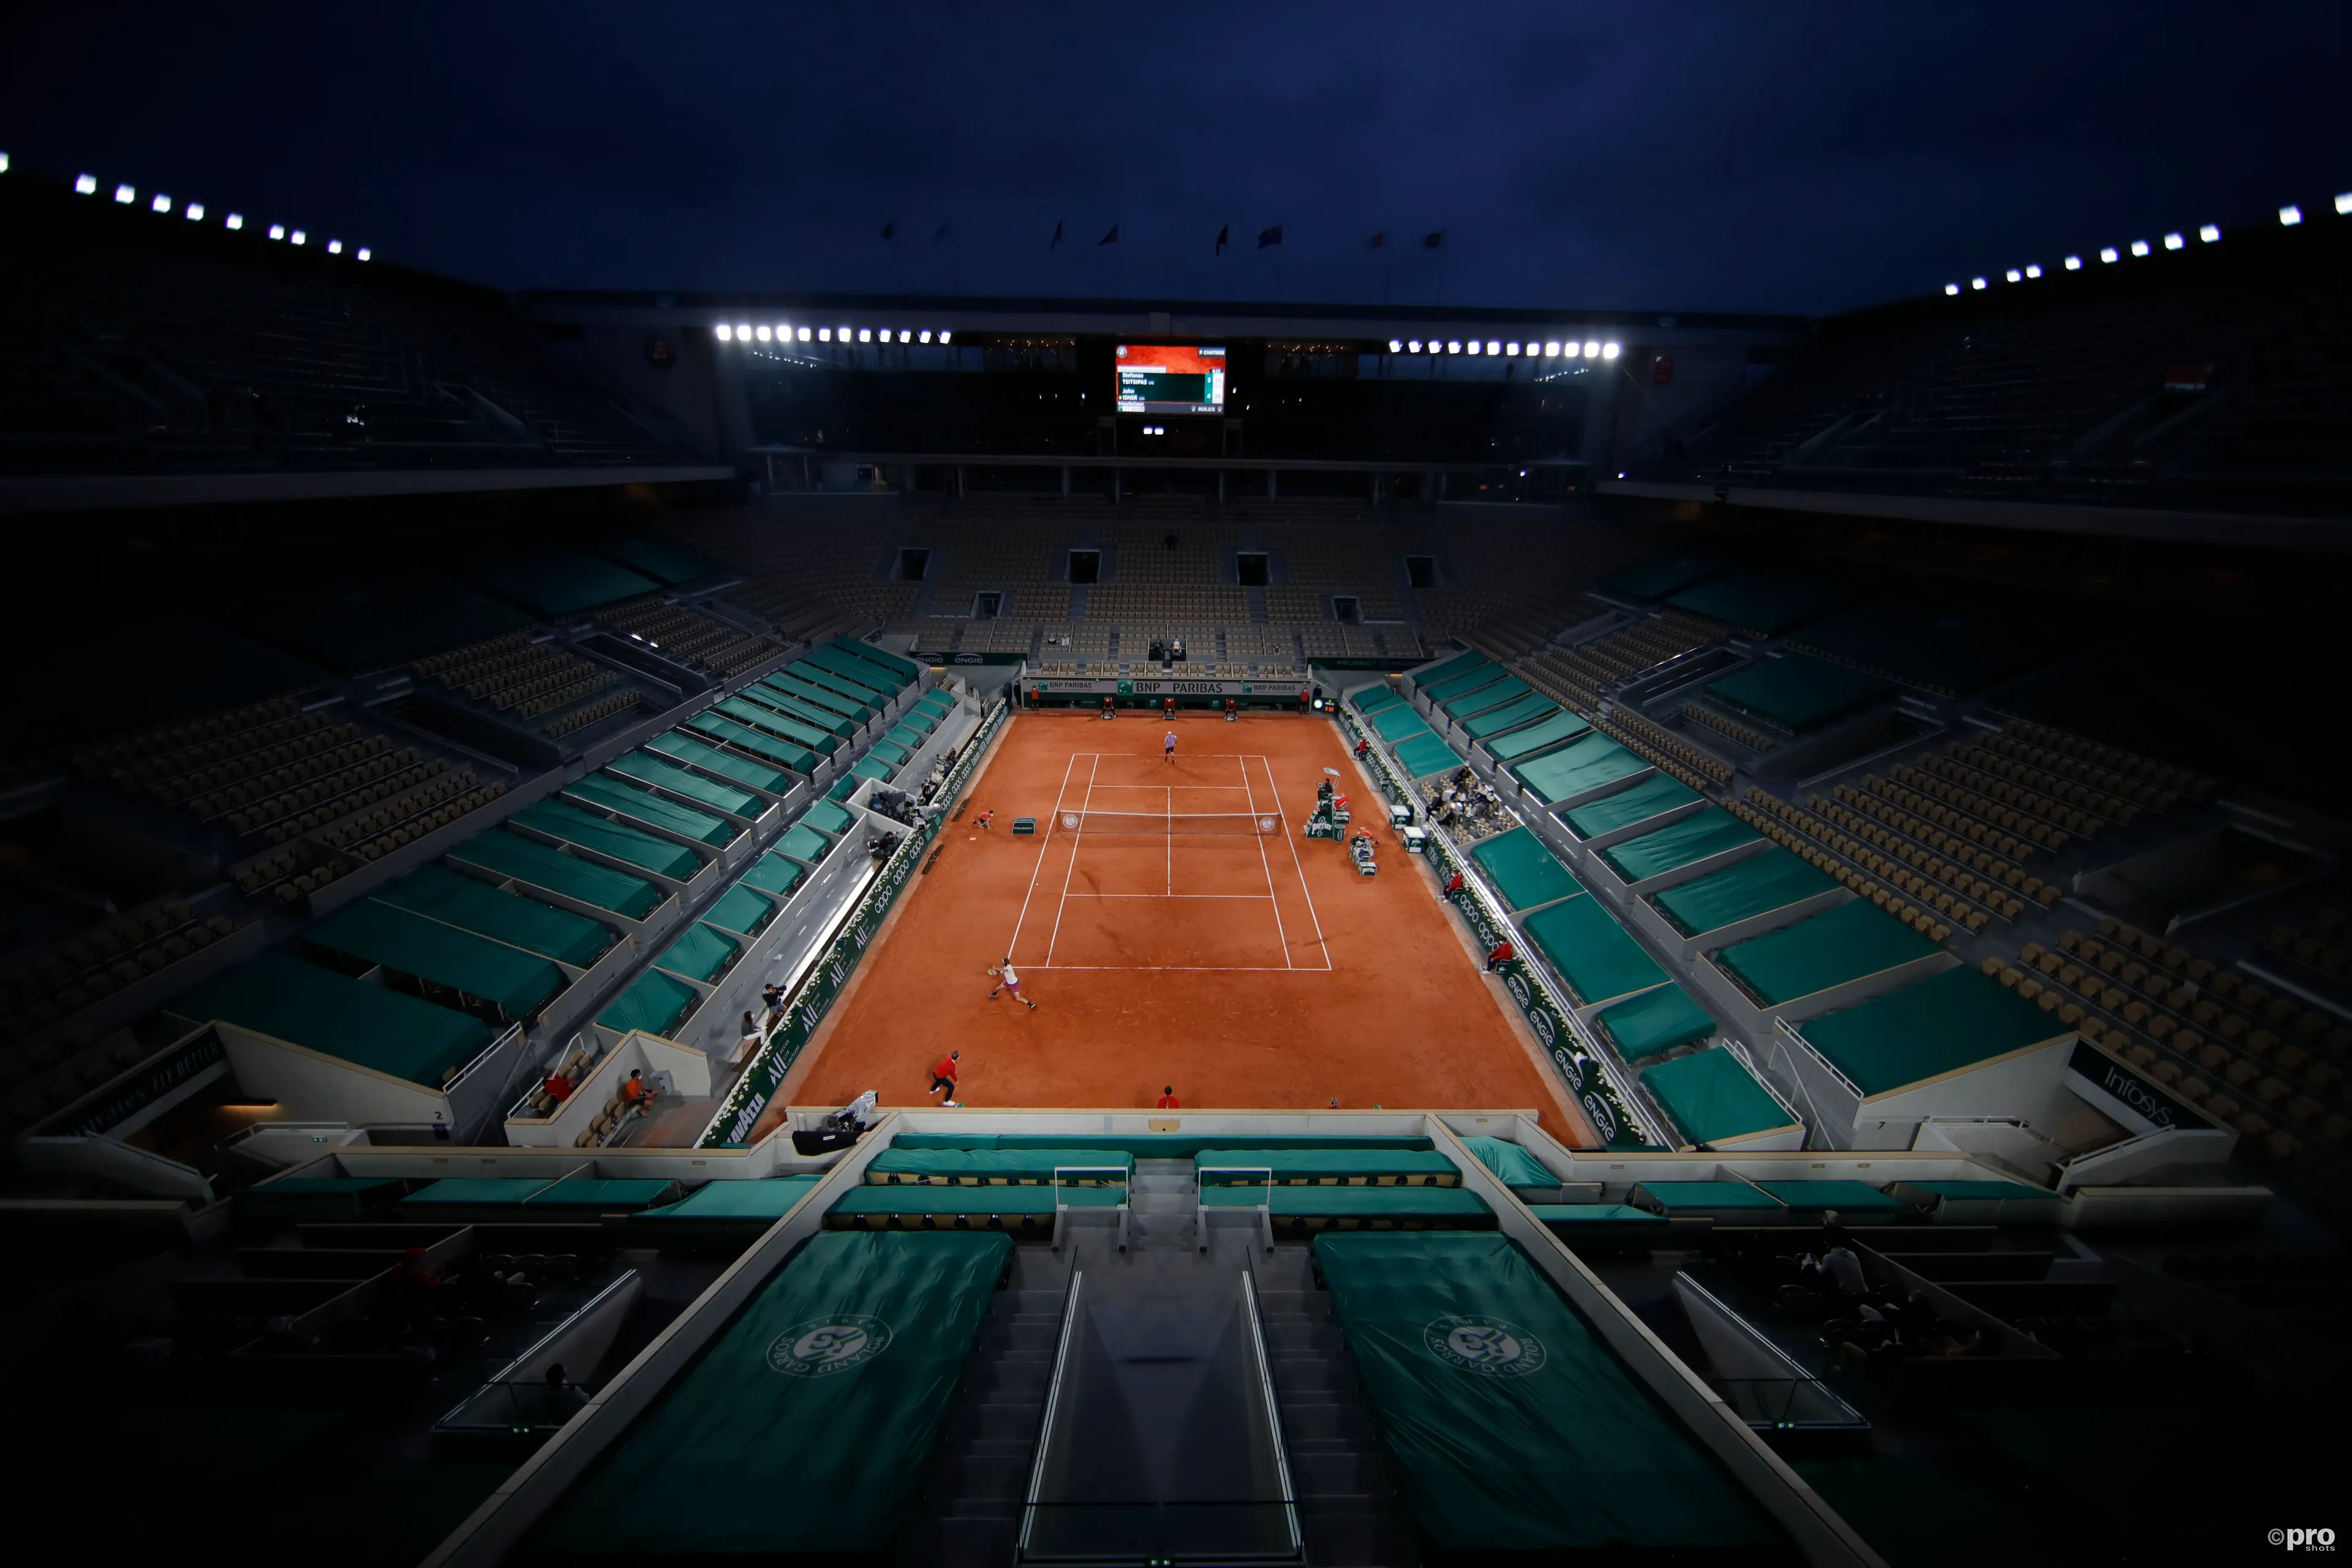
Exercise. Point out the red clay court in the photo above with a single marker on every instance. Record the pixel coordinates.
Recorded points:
(1173, 926)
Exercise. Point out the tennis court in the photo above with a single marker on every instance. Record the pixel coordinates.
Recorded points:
(1168, 934)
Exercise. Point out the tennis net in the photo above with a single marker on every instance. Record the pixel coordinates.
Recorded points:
(1264, 823)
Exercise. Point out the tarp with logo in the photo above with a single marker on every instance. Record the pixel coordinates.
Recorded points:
(1513, 1427)
(808, 1424)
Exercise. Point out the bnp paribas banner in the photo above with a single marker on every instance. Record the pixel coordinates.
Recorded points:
(1170, 686)
(806, 1007)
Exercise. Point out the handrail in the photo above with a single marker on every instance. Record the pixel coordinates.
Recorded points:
(1273, 1406)
(1061, 1206)
(1201, 1209)
(1053, 1401)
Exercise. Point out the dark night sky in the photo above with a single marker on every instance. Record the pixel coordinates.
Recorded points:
(1768, 155)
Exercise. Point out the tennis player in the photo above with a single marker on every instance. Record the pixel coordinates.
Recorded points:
(1007, 981)
(1168, 745)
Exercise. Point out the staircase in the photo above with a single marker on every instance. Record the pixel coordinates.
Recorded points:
(970, 1510)
(1160, 1211)
(1348, 1512)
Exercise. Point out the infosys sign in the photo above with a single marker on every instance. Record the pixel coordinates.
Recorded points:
(2125, 1094)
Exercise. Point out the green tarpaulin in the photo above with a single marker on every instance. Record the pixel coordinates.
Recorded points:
(679, 746)
(832, 660)
(980, 1166)
(1657, 794)
(589, 831)
(1561, 727)
(1513, 1427)
(1758, 885)
(1509, 715)
(1847, 1197)
(1512, 1166)
(1423, 756)
(804, 843)
(891, 666)
(1945, 1023)
(1449, 1207)
(829, 819)
(773, 874)
(1525, 872)
(477, 1190)
(1151, 1146)
(718, 726)
(1570, 1217)
(796, 681)
(1678, 844)
(527, 860)
(767, 1198)
(844, 786)
(841, 726)
(604, 1194)
(1372, 698)
(1834, 947)
(1795, 693)
(1759, 599)
(1493, 694)
(1574, 770)
(1654, 1023)
(906, 735)
(1444, 691)
(654, 1003)
(1708, 1197)
(1460, 664)
(320, 1010)
(872, 768)
(889, 752)
(662, 774)
(700, 954)
(808, 1425)
(1712, 1097)
(1420, 1167)
(760, 716)
(1398, 724)
(642, 807)
(471, 904)
(739, 908)
(1590, 950)
(415, 946)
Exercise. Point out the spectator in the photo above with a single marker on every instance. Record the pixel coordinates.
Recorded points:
(639, 1094)
(1452, 887)
(558, 1086)
(1168, 1097)
(1838, 1269)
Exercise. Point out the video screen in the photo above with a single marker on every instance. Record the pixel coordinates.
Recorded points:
(1167, 378)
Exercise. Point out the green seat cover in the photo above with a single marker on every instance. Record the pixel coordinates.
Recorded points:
(1424, 754)
(804, 843)
(662, 773)
(739, 908)
(1946, 1023)
(683, 747)
(1758, 885)
(1831, 949)
(1657, 794)
(644, 807)
(385, 1030)
(1509, 715)
(412, 944)
(1524, 871)
(829, 818)
(1586, 765)
(699, 954)
(654, 1003)
(1678, 844)
(1394, 725)
(1512, 1166)
(1541, 736)
(1595, 955)
(1654, 1023)
(527, 860)
(589, 831)
(771, 873)
(471, 904)
(1846, 1197)
(1712, 1098)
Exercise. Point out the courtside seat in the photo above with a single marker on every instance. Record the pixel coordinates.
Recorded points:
(731, 1212)
(587, 1196)
(1018, 1210)
(1743, 1203)
(1856, 1203)
(1296, 1211)
(1328, 1167)
(1601, 1222)
(998, 1167)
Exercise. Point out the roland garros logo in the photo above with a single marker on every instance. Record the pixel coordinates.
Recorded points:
(1490, 1347)
(824, 1346)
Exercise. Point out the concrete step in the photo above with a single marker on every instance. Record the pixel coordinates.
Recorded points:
(1364, 1538)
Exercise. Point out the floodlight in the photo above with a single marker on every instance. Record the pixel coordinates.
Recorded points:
(926, 335)
(1493, 347)
(85, 184)
(2107, 253)
(1511, 349)
(277, 231)
(804, 334)
(742, 332)
(2074, 263)
(1608, 351)
(1591, 350)
(1471, 347)
(2139, 248)
(764, 333)
(1412, 346)
(2290, 216)
(1551, 350)
(726, 333)
(237, 220)
(1453, 346)
(3, 162)
(334, 247)
(824, 334)
(841, 333)
(2014, 275)
(299, 237)
(2212, 231)
(943, 337)
(2173, 242)
(1396, 345)
(2034, 270)
(1571, 350)
(1951, 288)
(161, 204)
(194, 212)
(905, 336)
(2343, 205)
(864, 334)
(1975, 282)
(364, 253)
(126, 194)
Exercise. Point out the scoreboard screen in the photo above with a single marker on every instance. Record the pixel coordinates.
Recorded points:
(1161, 378)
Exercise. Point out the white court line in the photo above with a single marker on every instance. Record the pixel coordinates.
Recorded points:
(1169, 817)
(1023, 918)
(1171, 968)
(1302, 868)
(1077, 839)
(1166, 896)
(1266, 865)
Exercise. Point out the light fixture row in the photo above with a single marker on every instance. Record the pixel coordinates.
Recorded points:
(2207, 234)
(785, 333)
(1589, 349)
(193, 212)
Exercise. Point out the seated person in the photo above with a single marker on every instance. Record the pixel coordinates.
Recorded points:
(638, 1092)
(558, 1086)
(1837, 1269)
